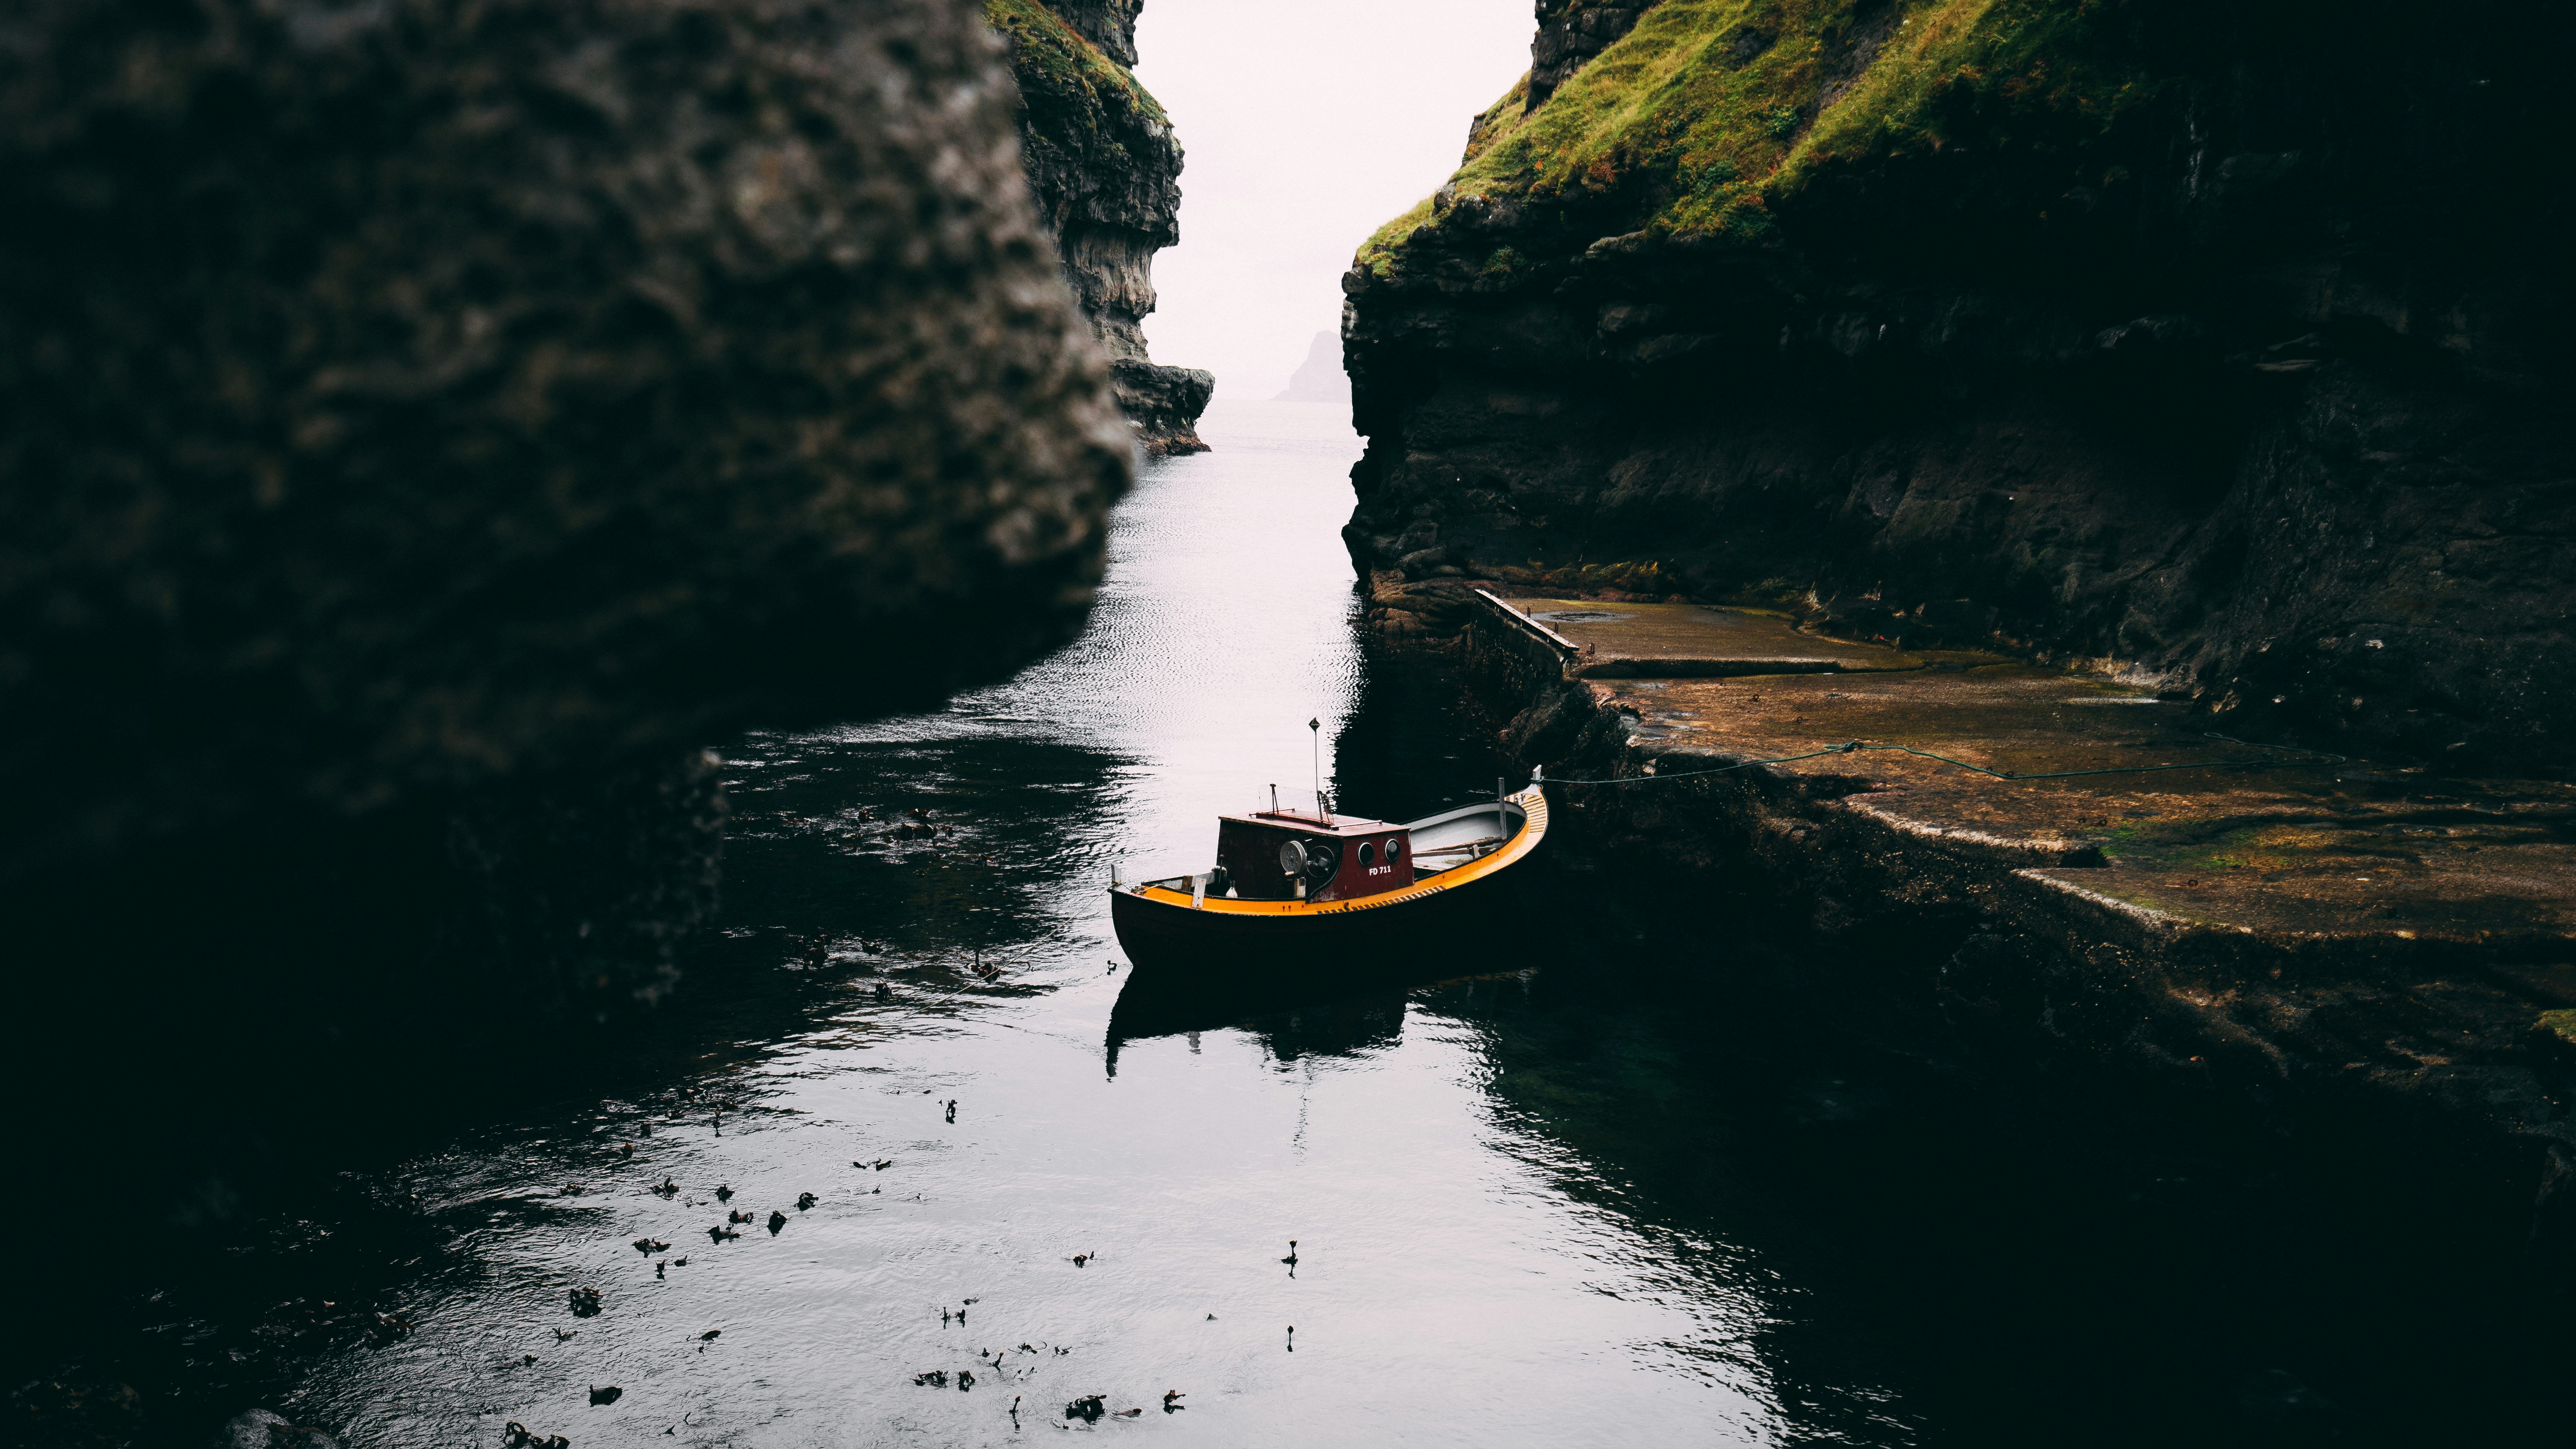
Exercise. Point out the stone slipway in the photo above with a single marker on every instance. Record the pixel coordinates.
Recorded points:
(2314, 937)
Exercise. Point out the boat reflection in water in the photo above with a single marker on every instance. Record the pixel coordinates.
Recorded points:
(1290, 1019)
(1345, 1013)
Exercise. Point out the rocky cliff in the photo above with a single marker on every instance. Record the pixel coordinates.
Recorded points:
(2211, 344)
(424, 428)
(1106, 167)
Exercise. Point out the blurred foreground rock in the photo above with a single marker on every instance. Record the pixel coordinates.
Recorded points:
(425, 428)
(459, 415)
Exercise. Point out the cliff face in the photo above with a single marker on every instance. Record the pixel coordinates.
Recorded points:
(2213, 345)
(1105, 167)
(425, 427)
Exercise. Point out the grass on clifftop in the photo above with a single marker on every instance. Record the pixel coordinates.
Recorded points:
(1711, 111)
(1042, 44)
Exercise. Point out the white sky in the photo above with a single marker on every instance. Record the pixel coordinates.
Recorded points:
(1306, 125)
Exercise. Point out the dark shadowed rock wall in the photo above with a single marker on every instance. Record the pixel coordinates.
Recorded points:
(1105, 167)
(2220, 345)
(425, 426)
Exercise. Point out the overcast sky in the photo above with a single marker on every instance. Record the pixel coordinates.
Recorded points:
(1306, 125)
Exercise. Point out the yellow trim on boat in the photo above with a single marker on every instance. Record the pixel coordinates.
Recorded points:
(1533, 805)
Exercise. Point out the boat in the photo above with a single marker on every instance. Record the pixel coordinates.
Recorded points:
(1318, 888)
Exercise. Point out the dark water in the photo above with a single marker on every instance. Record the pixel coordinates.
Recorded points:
(1618, 1177)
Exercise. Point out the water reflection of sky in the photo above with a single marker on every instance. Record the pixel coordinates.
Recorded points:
(1467, 1272)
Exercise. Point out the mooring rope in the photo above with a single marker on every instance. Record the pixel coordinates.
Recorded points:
(2320, 757)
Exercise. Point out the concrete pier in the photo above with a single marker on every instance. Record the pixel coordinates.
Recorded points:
(2289, 929)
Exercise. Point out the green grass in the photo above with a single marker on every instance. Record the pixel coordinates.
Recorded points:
(1666, 125)
(1057, 53)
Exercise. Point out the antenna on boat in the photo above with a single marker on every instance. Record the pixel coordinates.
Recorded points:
(1315, 731)
(1274, 799)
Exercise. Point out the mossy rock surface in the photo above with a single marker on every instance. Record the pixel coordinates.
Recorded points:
(1703, 118)
(1049, 54)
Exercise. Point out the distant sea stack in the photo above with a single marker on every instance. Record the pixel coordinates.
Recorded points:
(1105, 167)
(1320, 377)
(2213, 344)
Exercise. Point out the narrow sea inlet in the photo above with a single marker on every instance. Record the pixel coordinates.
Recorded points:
(1463, 1272)
(1605, 1174)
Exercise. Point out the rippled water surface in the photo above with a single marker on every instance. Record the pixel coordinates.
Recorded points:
(1582, 1184)
(1464, 1275)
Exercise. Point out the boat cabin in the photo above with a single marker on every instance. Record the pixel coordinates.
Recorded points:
(1278, 855)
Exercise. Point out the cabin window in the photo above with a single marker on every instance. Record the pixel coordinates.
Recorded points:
(1394, 850)
(1368, 853)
